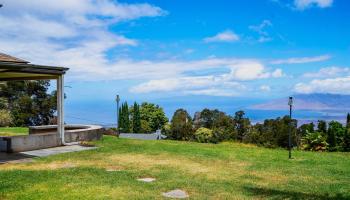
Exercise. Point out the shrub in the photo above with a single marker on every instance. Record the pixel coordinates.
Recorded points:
(314, 142)
(5, 118)
(204, 135)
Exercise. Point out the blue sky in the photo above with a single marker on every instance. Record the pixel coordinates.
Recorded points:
(175, 49)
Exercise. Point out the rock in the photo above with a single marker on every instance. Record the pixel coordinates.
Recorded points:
(176, 194)
(147, 180)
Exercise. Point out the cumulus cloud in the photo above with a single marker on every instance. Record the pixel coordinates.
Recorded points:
(69, 33)
(225, 36)
(328, 72)
(303, 4)
(301, 60)
(227, 84)
(340, 85)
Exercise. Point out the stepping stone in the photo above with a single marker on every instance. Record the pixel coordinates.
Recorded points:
(147, 180)
(113, 169)
(176, 194)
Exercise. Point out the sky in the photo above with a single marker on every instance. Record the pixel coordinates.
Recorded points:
(178, 49)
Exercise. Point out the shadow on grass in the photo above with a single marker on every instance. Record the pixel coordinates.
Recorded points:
(291, 195)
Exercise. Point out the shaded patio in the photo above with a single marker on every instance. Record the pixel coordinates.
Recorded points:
(15, 69)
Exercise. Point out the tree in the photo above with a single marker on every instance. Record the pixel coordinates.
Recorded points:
(306, 128)
(241, 125)
(136, 119)
(322, 126)
(5, 118)
(346, 141)
(335, 135)
(124, 120)
(29, 102)
(153, 115)
(181, 126)
(348, 120)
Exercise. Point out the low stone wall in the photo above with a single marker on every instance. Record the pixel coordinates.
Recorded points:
(46, 137)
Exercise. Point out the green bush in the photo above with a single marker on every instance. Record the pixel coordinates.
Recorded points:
(314, 142)
(204, 135)
(5, 118)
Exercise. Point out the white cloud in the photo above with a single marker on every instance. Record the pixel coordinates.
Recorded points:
(205, 85)
(69, 33)
(228, 84)
(214, 92)
(226, 36)
(278, 73)
(340, 85)
(265, 88)
(261, 30)
(303, 4)
(301, 60)
(328, 72)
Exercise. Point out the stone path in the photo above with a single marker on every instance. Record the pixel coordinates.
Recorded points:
(147, 180)
(176, 194)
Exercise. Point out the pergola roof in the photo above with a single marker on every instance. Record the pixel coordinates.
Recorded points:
(12, 68)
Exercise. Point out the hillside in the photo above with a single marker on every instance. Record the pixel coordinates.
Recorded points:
(203, 171)
(317, 102)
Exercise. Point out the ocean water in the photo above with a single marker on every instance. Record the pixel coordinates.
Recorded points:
(103, 112)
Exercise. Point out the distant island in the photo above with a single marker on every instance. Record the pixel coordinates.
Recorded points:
(315, 102)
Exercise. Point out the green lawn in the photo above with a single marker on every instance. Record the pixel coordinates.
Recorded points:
(10, 131)
(205, 171)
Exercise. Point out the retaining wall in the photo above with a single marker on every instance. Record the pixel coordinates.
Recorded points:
(41, 137)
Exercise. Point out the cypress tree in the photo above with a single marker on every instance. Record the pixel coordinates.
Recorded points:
(136, 119)
(126, 116)
(124, 121)
(346, 140)
(348, 121)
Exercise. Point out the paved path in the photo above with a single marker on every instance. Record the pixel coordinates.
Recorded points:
(139, 136)
(27, 155)
(56, 150)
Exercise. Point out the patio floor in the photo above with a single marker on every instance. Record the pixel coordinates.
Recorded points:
(27, 156)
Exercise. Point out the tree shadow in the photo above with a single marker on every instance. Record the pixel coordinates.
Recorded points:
(291, 195)
(14, 158)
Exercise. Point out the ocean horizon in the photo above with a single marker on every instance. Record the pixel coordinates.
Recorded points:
(104, 112)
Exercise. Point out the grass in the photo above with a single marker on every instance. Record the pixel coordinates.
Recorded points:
(205, 171)
(13, 131)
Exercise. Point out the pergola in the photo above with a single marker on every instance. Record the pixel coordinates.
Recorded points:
(15, 69)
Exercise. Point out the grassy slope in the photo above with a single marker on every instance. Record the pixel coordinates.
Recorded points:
(10, 131)
(205, 171)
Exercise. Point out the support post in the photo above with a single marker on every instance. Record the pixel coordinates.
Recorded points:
(60, 114)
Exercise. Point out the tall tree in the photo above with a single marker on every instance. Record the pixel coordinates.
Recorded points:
(322, 126)
(136, 119)
(346, 141)
(153, 116)
(241, 125)
(335, 135)
(181, 126)
(124, 120)
(348, 120)
(29, 102)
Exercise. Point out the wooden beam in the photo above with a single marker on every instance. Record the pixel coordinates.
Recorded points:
(29, 78)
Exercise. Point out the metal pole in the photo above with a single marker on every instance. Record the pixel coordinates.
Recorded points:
(290, 130)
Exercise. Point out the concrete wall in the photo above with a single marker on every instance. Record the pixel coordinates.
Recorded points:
(49, 139)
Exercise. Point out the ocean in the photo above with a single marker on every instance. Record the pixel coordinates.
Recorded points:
(103, 112)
